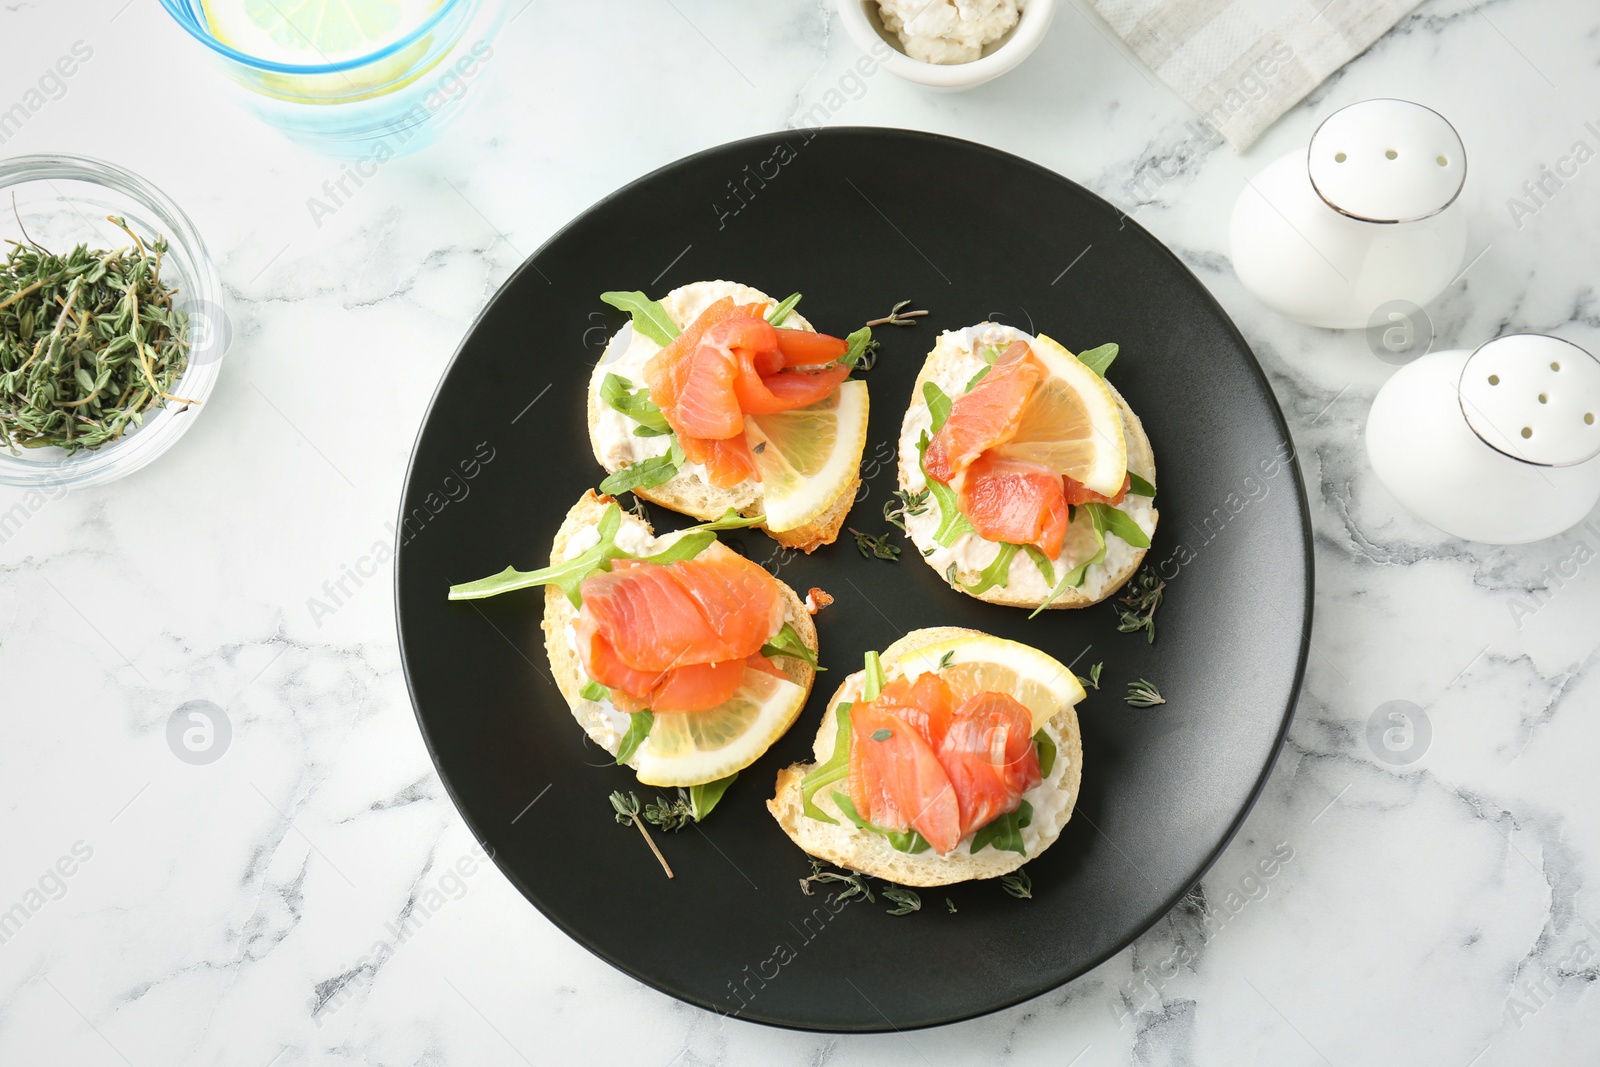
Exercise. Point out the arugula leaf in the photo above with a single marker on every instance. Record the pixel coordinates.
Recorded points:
(1113, 520)
(1075, 576)
(787, 642)
(702, 798)
(638, 729)
(859, 344)
(996, 573)
(1137, 486)
(836, 767)
(649, 317)
(645, 474)
(939, 404)
(731, 520)
(593, 690)
(1004, 832)
(1043, 562)
(1099, 359)
(1046, 748)
(900, 840)
(952, 523)
(618, 393)
(875, 680)
(781, 309)
(989, 355)
(569, 575)
(691, 544)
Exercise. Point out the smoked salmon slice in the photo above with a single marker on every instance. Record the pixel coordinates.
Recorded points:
(676, 637)
(904, 783)
(730, 362)
(1014, 500)
(667, 372)
(926, 705)
(1078, 493)
(802, 348)
(1006, 498)
(727, 463)
(918, 762)
(989, 757)
(986, 416)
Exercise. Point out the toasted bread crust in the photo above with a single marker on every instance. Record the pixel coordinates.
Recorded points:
(1099, 584)
(870, 853)
(559, 614)
(692, 495)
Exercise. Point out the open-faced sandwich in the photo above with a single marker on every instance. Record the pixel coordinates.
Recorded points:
(954, 756)
(1026, 478)
(677, 655)
(718, 397)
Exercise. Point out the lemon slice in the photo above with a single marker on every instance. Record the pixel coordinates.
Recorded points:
(809, 456)
(313, 31)
(1072, 423)
(980, 663)
(690, 748)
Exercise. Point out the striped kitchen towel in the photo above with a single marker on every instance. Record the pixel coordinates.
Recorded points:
(1243, 63)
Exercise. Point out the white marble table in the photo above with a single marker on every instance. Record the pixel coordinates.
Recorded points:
(1435, 911)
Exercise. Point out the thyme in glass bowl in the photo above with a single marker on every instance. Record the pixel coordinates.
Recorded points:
(90, 343)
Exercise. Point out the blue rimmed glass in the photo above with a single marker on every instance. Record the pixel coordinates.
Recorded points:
(392, 100)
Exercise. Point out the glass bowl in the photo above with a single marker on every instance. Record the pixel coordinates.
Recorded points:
(62, 201)
(388, 102)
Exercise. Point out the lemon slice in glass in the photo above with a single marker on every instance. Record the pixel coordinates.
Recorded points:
(810, 456)
(979, 663)
(313, 31)
(690, 748)
(1072, 423)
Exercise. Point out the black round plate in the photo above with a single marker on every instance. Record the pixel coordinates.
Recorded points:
(858, 219)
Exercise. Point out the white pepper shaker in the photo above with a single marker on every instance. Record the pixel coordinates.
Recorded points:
(1365, 216)
(1498, 445)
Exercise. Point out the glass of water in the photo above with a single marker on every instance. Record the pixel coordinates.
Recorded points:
(350, 78)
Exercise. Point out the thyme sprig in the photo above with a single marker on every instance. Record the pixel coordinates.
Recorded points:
(1093, 681)
(1142, 598)
(1018, 884)
(1144, 694)
(877, 545)
(899, 317)
(902, 504)
(670, 815)
(627, 805)
(90, 343)
(906, 901)
(856, 882)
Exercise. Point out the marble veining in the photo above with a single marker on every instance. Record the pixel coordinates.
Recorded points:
(312, 897)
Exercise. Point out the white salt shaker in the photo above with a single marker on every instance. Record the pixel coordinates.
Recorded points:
(1498, 445)
(1365, 217)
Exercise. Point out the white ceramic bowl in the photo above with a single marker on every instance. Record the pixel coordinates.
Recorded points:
(862, 23)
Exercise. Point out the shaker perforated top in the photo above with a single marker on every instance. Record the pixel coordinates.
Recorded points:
(1535, 398)
(1387, 161)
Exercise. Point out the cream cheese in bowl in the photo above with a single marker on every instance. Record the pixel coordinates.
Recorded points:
(949, 31)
